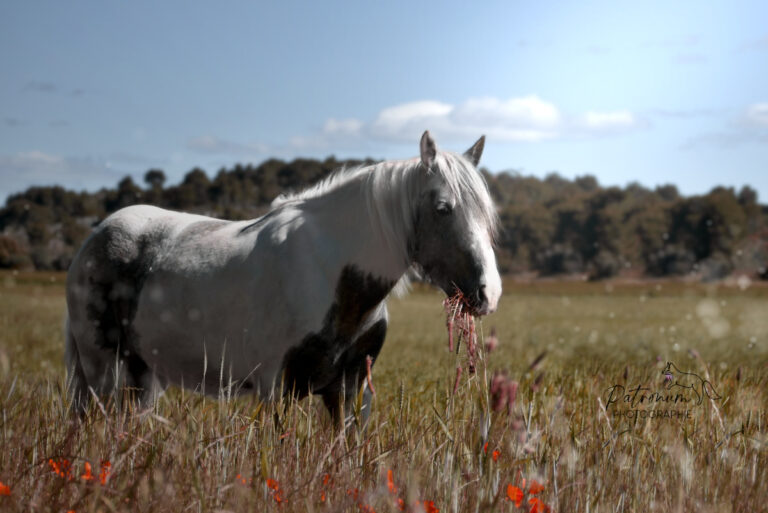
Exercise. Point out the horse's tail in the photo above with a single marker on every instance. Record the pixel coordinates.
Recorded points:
(77, 386)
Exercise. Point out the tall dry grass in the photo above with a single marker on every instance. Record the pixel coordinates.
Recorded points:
(191, 453)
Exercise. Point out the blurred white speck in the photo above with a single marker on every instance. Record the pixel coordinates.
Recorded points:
(723, 302)
(658, 286)
(154, 351)
(577, 329)
(753, 339)
(124, 321)
(611, 315)
(707, 308)
(565, 301)
(723, 365)
(675, 347)
(672, 329)
(744, 282)
(643, 299)
(593, 337)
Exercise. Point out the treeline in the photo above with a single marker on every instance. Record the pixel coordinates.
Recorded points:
(549, 227)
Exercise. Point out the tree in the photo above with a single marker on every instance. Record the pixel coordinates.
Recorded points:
(154, 178)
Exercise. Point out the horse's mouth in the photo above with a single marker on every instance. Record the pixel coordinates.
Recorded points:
(474, 304)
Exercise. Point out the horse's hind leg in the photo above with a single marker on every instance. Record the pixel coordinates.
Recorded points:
(101, 361)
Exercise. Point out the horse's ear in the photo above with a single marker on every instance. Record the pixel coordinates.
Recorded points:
(475, 152)
(428, 150)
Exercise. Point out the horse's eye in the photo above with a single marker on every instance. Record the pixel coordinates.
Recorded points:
(444, 208)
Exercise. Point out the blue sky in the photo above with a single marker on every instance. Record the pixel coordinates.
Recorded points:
(654, 92)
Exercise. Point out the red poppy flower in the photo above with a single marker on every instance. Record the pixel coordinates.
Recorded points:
(535, 488)
(515, 494)
(4, 489)
(537, 506)
(391, 482)
(88, 476)
(106, 468)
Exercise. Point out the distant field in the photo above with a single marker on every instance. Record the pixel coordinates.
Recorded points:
(197, 454)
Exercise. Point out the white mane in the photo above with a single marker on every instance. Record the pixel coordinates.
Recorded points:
(393, 192)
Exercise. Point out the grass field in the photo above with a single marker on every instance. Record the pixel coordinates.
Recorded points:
(564, 443)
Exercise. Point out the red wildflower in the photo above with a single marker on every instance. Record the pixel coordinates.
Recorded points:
(515, 494)
(537, 506)
(4, 489)
(326, 481)
(276, 492)
(495, 455)
(391, 482)
(88, 476)
(106, 468)
(61, 468)
(535, 487)
(492, 341)
(429, 507)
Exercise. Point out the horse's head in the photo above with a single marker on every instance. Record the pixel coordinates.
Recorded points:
(454, 226)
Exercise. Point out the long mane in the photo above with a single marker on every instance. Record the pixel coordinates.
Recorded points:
(393, 190)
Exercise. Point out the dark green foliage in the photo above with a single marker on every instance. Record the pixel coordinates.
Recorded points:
(550, 226)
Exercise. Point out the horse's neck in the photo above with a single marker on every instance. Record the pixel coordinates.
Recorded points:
(346, 221)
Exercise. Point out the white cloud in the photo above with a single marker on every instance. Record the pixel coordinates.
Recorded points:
(520, 119)
(749, 127)
(523, 119)
(212, 144)
(25, 169)
(614, 120)
(402, 122)
(342, 126)
(527, 118)
(758, 114)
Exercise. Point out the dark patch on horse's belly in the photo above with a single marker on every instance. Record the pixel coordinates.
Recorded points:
(310, 366)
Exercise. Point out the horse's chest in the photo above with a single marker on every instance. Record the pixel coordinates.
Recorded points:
(353, 328)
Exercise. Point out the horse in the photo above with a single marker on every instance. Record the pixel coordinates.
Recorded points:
(291, 302)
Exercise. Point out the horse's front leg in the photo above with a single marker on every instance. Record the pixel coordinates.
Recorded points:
(340, 396)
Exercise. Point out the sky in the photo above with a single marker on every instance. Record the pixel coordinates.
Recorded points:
(649, 92)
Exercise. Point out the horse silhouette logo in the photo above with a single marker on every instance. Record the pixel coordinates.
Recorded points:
(674, 377)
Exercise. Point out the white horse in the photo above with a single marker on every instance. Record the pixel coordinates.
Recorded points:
(291, 301)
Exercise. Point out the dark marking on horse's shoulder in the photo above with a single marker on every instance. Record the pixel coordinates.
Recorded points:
(357, 293)
(321, 357)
